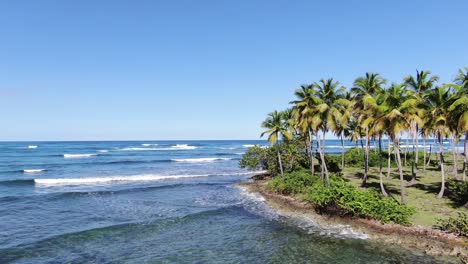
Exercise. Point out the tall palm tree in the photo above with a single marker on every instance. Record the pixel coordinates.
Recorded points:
(342, 118)
(458, 111)
(395, 122)
(364, 89)
(276, 128)
(328, 95)
(303, 110)
(438, 99)
(380, 109)
(415, 110)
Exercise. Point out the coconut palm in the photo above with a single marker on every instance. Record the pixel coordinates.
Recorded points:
(415, 110)
(395, 122)
(458, 111)
(328, 96)
(276, 128)
(364, 90)
(303, 110)
(437, 99)
(380, 109)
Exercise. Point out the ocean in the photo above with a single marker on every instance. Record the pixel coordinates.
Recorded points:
(157, 202)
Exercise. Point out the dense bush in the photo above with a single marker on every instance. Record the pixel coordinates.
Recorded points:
(292, 183)
(457, 225)
(343, 196)
(354, 157)
(458, 191)
(261, 158)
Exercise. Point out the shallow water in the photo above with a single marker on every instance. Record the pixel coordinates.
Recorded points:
(156, 202)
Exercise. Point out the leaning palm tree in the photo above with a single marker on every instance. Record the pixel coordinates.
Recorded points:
(276, 128)
(364, 89)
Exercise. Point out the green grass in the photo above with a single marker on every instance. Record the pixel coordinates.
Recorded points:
(421, 196)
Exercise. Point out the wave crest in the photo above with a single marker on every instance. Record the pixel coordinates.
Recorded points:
(142, 177)
(196, 160)
(77, 156)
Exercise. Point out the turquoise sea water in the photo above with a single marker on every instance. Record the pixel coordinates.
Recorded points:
(157, 202)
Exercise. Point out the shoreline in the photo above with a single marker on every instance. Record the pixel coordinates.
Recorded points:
(430, 241)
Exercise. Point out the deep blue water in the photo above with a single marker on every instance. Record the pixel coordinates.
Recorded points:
(156, 202)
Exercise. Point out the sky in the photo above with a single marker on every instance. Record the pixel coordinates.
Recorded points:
(172, 70)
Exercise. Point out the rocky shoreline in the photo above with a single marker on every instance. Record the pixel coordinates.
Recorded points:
(431, 241)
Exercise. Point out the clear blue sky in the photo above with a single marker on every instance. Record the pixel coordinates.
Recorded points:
(84, 70)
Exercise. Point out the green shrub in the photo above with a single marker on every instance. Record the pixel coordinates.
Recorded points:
(346, 198)
(458, 191)
(292, 183)
(457, 225)
(333, 162)
(354, 157)
(293, 157)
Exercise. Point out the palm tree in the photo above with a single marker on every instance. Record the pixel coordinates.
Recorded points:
(395, 122)
(365, 88)
(342, 118)
(415, 110)
(328, 95)
(303, 109)
(458, 111)
(276, 127)
(380, 109)
(437, 98)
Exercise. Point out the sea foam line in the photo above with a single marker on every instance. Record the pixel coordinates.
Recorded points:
(195, 160)
(142, 177)
(77, 156)
(33, 170)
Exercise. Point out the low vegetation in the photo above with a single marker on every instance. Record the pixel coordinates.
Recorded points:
(457, 224)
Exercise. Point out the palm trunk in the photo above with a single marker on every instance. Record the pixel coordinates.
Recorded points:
(342, 152)
(322, 171)
(465, 165)
(454, 154)
(389, 159)
(380, 169)
(424, 152)
(442, 172)
(400, 169)
(415, 158)
(280, 164)
(323, 159)
(366, 159)
(406, 147)
(430, 153)
(311, 153)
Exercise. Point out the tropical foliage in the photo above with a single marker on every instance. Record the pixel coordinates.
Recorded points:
(372, 109)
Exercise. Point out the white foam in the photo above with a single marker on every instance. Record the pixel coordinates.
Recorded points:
(201, 160)
(78, 156)
(148, 145)
(32, 147)
(175, 147)
(138, 149)
(183, 146)
(33, 170)
(133, 178)
(103, 151)
(240, 153)
(248, 146)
